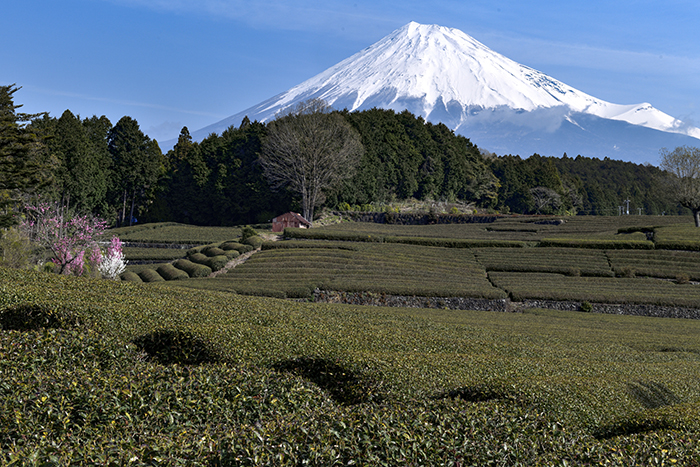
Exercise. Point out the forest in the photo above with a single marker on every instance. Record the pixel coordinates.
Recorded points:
(116, 172)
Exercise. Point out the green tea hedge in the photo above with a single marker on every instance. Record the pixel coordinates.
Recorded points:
(216, 262)
(150, 275)
(152, 377)
(130, 276)
(232, 254)
(599, 244)
(241, 248)
(197, 257)
(192, 269)
(213, 251)
(171, 273)
(254, 241)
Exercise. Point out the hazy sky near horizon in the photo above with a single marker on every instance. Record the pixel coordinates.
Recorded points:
(175, 63)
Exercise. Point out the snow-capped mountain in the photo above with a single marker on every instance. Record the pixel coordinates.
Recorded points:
(444, 75)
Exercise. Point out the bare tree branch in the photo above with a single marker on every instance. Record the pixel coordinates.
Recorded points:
(683, 166)
(309, 149)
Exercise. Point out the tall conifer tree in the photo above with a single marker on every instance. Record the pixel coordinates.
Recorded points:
(20, 169)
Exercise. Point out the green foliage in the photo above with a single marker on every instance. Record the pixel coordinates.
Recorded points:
(323, 234)
(169, 347)
(213, 251)
(247, 232)
(406, 157)
(254, 381)
(219, 181)
(455, 243)
(170, 232)
(232, 254)
(30, 317)
(384, 269)
(152, 254)
(605, 244)
(192, 269)
(304, 244)
(239, 247)
(254, 241)
(15, 249)
(584, 185)
(130, 276)
(85, 163)
(677, 237)
(22, 169)
(196, 257)
(216, 262)
(138, 164)
(343, 385)
(626, 290)
(574, 262)
(171, 273)
(657, 263)
(150, 275)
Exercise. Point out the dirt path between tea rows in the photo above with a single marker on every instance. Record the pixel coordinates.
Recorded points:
(233, 263)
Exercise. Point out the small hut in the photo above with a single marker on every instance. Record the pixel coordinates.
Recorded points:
(289, 219)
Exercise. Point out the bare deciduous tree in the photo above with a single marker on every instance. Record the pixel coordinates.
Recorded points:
(310, 149)
(683, 166)
(544, 197)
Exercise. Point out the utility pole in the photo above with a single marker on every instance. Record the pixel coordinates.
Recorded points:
(640, 211)
(628, 206)
(619, 210)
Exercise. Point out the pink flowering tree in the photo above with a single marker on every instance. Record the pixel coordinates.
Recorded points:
(71, 239)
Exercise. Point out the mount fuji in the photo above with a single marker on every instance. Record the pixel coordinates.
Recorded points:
(445, 75)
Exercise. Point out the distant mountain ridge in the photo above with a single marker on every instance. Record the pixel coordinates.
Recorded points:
(445, 75)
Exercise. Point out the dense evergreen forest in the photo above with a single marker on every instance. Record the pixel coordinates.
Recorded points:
(119, 173)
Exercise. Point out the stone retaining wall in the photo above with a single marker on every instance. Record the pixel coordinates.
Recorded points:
(619, 309)
(503, 305)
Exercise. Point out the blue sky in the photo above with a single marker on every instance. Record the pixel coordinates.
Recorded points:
(175, 63)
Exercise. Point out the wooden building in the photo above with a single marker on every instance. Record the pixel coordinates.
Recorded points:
(290, 219)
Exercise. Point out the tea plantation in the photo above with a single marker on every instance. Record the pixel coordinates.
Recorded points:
(100, 372)
(184, 372)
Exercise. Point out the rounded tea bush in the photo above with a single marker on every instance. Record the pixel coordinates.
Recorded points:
(199, 258)
(192, 269)
(231, 245)
(232, 254)
(130, 276)
(213, 251)
(216, 262)
(254, 241)
(150, 275)
(171, 273)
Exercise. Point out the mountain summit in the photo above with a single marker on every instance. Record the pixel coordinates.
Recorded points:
(445, 75)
